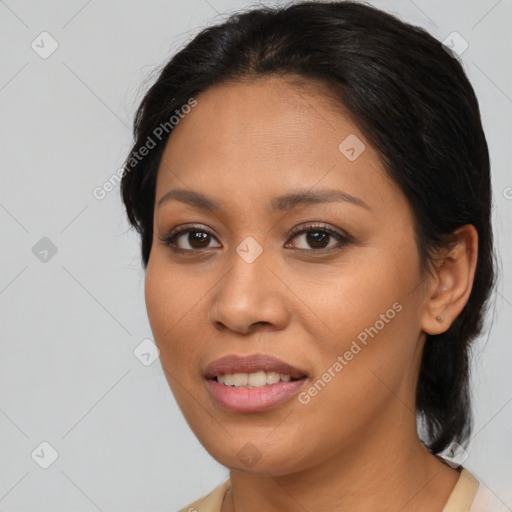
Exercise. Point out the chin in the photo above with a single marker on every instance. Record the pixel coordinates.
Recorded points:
(254, 454)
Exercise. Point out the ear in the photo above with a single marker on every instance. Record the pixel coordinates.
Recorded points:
(451, 284)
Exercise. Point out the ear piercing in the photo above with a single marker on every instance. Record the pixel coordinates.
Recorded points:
(439, 318)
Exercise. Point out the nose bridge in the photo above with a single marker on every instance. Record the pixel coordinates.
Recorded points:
(249, 266)
(243, 284)
(248, 293)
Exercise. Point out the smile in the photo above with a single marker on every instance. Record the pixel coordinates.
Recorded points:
(253, 380)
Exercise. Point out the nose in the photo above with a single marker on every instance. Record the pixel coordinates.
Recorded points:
(250, 296)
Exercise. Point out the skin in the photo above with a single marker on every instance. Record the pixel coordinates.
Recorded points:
(354, 446)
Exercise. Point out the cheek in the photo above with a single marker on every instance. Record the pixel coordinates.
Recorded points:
(170, 315)
(367, 352)
(169, 304)
(160, 305)
(364, 293)
(356, 384)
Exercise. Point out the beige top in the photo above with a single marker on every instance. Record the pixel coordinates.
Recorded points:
(460, 500)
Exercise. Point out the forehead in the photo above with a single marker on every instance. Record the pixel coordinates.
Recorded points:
(268, 135)
(269, 110)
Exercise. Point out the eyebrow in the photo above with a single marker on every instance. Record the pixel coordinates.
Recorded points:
(280, 203)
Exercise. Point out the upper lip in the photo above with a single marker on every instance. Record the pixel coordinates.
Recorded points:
(249, 364)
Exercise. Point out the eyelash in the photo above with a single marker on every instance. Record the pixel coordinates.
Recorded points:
(342, 238)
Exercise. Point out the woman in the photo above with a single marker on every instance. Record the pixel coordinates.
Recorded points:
(317, 242)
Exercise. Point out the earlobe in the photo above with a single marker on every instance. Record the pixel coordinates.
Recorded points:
(452, 282)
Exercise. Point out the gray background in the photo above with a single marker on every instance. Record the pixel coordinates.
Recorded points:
(70, 323)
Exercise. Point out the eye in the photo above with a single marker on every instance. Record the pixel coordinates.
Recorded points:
(198, 238)
(318, 237)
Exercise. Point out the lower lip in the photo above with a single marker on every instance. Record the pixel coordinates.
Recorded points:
(254, 399)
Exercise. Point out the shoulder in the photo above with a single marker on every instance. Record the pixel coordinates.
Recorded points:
(488, 501)
(463, 494)
(211, 502)
(471, 495)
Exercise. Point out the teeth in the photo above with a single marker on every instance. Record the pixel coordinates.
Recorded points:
(257, 379)
(240, 379)
(252, 380)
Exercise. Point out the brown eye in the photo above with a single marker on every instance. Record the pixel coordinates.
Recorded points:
(319, 238)
(316, 239)
(198, 239)
(195, 239)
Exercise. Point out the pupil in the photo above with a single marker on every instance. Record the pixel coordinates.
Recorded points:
(198, 237)
(316, 238)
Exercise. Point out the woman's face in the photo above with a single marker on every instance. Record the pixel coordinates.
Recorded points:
(345, 312)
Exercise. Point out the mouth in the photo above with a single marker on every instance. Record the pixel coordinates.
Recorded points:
(257, 379)
(254, 370)
(253, 383)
